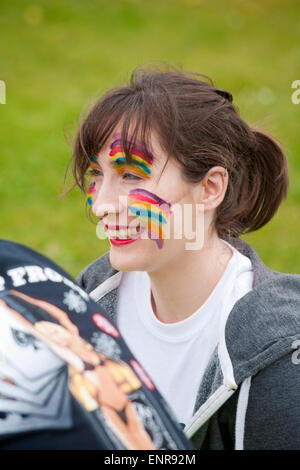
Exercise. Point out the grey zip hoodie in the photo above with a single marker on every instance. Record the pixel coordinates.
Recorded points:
(249, 396)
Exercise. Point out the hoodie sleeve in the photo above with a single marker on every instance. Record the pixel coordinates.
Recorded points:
(273, 413)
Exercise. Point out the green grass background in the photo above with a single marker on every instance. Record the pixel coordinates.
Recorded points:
(55, 56)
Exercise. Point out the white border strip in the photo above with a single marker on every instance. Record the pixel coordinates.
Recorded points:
(225, 361)
(241, 414)
(106, 286)
(214, 402)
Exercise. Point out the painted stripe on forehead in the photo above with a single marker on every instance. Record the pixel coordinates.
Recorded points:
(119, 162)
(120, 158)
(94, 162)
(121, 169)
(138, 154)
(95, 165)
(136, 145)
(94, 159)
(140, 165)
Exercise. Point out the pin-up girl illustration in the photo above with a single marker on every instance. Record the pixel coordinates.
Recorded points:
(95, 380)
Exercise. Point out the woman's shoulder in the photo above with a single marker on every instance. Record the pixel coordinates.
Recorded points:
(264, 323)
(274, 299)
(262, 274)
(95, 273)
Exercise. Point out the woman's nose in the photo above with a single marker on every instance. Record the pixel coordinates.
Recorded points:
(108, 199)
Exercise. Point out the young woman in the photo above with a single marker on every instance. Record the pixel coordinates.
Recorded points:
(176, 177)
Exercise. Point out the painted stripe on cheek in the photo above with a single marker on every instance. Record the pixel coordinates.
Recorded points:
(152, 211)
(91, 191)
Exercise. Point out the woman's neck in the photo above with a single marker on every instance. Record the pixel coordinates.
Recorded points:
(182, 288)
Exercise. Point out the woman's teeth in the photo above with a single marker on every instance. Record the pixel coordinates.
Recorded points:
(124, 233)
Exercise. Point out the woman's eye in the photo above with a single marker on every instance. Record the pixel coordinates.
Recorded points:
(130, 176)
(94, 172)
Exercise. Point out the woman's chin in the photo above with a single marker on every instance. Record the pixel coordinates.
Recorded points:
(132, 257)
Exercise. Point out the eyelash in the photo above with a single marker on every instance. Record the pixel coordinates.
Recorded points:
(134, 177)
(95, 172)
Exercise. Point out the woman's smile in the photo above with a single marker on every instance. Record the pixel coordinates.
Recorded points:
(120, 235)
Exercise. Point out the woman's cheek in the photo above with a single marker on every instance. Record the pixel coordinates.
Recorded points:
(152, 211)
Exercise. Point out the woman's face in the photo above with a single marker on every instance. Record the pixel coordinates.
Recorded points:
(120, 195)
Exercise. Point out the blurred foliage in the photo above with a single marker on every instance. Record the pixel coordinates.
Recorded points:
(55, 57)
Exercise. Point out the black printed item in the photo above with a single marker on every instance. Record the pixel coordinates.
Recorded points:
(67, 378)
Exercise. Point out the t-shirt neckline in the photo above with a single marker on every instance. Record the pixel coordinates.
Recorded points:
(185, 329)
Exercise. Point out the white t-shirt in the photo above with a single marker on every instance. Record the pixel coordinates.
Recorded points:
(176, 354)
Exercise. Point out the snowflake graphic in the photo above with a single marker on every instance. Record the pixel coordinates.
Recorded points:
(74, 302)
(106, 345)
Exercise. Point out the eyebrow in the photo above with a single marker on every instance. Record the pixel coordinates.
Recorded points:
(137, 146)
(95, 163)
(138, 149)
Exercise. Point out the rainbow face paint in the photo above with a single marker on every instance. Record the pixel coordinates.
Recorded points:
(153, 212)
(91, 191)
(94, 162)
(141, 165)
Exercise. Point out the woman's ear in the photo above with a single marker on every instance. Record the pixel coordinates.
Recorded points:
(212, 188)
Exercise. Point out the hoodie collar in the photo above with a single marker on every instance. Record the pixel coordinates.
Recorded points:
(262, 324)
(111, 278)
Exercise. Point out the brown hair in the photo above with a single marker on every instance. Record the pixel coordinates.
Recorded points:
(199, 126)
